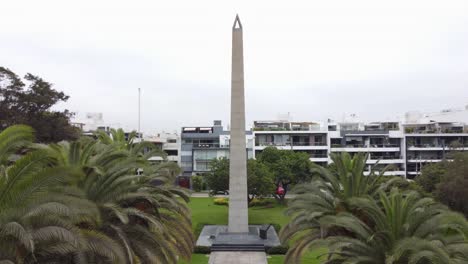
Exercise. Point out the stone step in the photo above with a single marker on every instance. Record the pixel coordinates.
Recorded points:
(238, 247)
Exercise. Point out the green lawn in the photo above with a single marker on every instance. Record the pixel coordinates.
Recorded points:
(205, 212)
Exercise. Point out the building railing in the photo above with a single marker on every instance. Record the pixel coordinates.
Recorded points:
(438, 146)
(281, 144)
(384, 145)
(209, 145)
(319, 156)
(365, 146)
(385, 157)
(270, 129)
(428, 145)
(286, 129)
(410, 130)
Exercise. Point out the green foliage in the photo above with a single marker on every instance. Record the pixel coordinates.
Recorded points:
(260, 202)
(202, 250)
(197, 183)
(398, 228)
(31, 105)
(431, 175)
(278, 250)
(221, 201)
(288, 167)
(83, 198)
(362, 220)
(260, 181)
(453, 187)
(327, 194)
(259, 178)
(218, 178)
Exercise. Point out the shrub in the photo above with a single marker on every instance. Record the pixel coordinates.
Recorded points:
(197, 183)
(221, 201)
(278, 250)
(260, 202)
(202, 250)
(277, 227)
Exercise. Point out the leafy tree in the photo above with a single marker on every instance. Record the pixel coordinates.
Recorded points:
(217, 179)
(327, 194)
(287, 166)
(431, 175)
(259, 178)
(260, 181)
(197, 183)
(453, 187)
(398, 228)
(31, 105)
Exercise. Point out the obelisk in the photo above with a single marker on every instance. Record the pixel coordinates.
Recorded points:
(238, 210)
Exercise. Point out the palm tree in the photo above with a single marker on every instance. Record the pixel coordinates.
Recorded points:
(130, 142)
(13, 139)
(32, 225)
(147, 222)
(399, 228)
(326, 195)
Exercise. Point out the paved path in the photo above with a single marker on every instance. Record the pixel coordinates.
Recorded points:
(235, 257)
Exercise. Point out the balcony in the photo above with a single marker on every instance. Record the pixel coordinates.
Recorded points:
(282, 144)
(384, 145)
(385, 160)
(208, 145)
(364, 147)
(425, 130)
(270, 129)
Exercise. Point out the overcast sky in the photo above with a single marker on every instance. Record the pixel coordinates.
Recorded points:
(314, 59)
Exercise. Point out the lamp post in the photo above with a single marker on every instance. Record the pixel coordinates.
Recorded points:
(139, 111)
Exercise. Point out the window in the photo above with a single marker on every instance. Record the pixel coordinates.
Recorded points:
(172, 140)
(171, 152)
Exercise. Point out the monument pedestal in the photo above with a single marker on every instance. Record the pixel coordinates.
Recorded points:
(218, 238)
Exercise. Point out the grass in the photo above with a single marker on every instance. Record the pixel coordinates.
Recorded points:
(309, 258)
(196, 259)
(205, 212)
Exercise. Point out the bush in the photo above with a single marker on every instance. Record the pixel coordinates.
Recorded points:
(278, 250)
(204, 187)
(202, 250)
(221, 201)
(260, 202)
(277, 227)
(197, 183)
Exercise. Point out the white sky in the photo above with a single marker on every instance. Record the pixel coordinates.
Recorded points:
(314, 59)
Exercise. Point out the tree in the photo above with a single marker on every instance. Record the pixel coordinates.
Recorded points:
(217, 179)
(145, 220)
(31, 105)
(287, 166)
(197, 183)
(34, 223)
(260, 181)
(397, 228)
(328, 194)
(431, 175)
(453, 187)
(81, 202)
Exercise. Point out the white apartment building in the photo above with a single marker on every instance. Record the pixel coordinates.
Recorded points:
(407, 145)
(169, 143)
